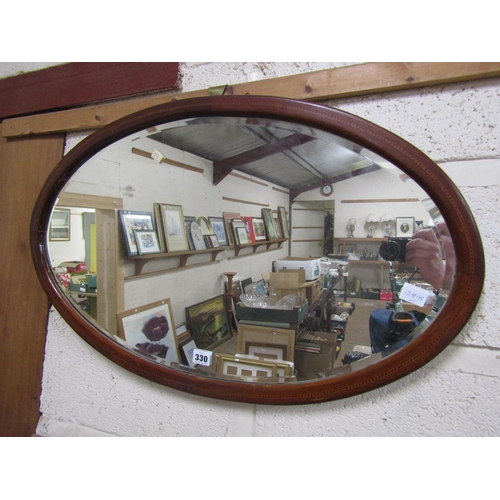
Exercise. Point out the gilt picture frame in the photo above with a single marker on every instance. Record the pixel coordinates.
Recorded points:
(174, 228)
(267, 215)
(283, 221)
(208, 322)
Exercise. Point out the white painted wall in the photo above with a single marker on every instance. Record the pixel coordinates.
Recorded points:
(457, 394)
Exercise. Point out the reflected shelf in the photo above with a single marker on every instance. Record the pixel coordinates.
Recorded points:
(140, 261)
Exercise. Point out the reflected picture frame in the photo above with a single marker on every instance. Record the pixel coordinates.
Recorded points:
(267, 215)
(130, 222)
(186, 347)
(284, 222)
(208, 322)
(241, 236)
(259, 228)
(174, 228)
(147, 242)
(405, 227)
(60, 225)
(346, 248)
(228, 217)
(150, 330)
(252, 335)
(188, 220)
(219, 229)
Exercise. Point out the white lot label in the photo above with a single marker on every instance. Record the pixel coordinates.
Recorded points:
(201, 357)
(157, 156)
(414, 294)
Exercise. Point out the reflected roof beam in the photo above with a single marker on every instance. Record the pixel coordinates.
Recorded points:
(224, 167)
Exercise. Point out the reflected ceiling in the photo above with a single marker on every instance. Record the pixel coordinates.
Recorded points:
(289, 158)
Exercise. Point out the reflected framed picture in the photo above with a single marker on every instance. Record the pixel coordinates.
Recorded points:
(228, 217)
(346, 249)
(60, 225)
(283, 222)
(241, 236)
(208, 322)
(134, 221)
(405, 227)
(150, 329)
(245, 366)
(267, 215)
(188, 220)
(259, 229)
(219, 229)
(246, 285)
(267, 351)
(252, 367)
(277, 225)
(263, 336)
(147, 242)
(187, 347)
(174, 228)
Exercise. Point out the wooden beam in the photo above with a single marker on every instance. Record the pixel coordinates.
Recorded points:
(74, 84)
(167, 161)
(347, 81)
(224, 167)
(24, 307)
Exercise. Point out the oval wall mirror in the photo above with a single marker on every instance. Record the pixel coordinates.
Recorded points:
(257, 249)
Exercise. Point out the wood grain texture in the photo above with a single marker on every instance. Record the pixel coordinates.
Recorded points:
(24, 166)
(360, 79)
(75, 84)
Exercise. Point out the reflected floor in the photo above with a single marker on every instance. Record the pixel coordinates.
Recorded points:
(357, 333)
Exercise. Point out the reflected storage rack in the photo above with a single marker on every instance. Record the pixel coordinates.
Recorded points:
(381, 265)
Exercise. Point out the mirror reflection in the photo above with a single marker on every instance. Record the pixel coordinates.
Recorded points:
(250, 249)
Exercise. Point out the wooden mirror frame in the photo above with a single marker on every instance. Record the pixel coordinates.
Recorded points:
(462, 299)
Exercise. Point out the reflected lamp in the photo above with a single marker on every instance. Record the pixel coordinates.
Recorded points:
(370, 221)
(387, 220)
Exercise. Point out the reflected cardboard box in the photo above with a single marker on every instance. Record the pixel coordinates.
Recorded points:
(78, 284)
(293, 282)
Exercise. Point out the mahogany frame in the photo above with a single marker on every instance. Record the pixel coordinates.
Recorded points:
(454, 315)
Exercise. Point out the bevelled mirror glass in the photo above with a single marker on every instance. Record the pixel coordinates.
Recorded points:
(257, 249)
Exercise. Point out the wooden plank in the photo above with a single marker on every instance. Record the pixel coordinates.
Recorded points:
(360, 79)
(67, 199)
(245, 202)
(24, 166)
(75, 84)
(386, 200)
(224, 167)
(245, 178)
(167, 161)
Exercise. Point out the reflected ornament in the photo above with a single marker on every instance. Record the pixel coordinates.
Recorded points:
(351, 225)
